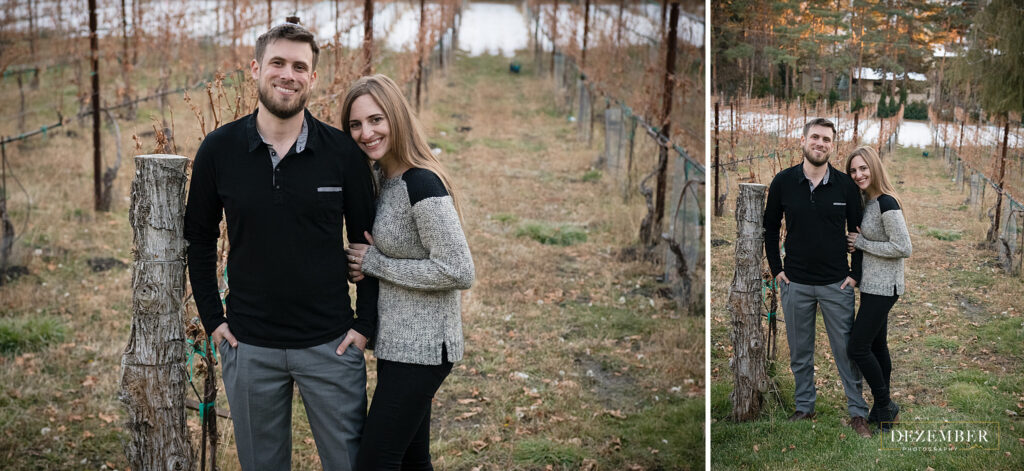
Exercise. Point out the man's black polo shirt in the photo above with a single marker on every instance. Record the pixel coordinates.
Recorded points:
(816, 226)
(286, 265)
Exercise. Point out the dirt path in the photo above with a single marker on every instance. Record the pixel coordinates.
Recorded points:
(572, 356)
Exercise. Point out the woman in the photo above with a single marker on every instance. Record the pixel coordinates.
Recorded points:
(885, 242)
(419, 253)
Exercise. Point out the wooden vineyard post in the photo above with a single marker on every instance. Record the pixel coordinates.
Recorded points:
(750, 380)
(974, 197)
(613, 136)
(960, 173)
(585, 113)
(153, 374)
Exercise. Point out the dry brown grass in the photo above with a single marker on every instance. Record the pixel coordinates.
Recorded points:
(955, 338)
(615, 374)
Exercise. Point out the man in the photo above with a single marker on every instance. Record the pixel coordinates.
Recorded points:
(820, 204)
(284, 181)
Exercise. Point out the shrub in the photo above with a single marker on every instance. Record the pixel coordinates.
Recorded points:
(916, 110)
(883, 105)
(833, 97)
(811, 97)
(857, 105)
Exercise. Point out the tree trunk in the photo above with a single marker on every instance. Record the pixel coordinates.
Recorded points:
(993, 236)
(554, 35)
(95, 102)
(368, 37)
(6, 228)
(129, 111)
(420, 46)
(153, 374)
(744, 303)
(666, 116)
(717, 202)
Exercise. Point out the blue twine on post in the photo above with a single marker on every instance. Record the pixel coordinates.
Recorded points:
(203, 407)
(765, 286)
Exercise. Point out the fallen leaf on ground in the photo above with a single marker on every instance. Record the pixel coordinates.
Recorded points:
(471, 413)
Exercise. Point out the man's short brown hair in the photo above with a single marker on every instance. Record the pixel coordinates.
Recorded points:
(820, 122)
(291, 32)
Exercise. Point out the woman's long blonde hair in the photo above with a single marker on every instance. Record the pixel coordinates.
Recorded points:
(408, 141)
(879, 177)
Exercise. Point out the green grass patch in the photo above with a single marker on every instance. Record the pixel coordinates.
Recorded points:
(660, 427)
(29, 334)
(447, 144)
(974, 400)
(610, 322)
(944, 234)
(937, 341)
(1003, 335)
(553, 111)
(539, 451)
(520, 144)
(592, 176)
(505, 217)
(551, 234)
(971, 278)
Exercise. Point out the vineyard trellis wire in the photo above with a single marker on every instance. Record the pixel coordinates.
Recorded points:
(628, 109)
(755, 139)
(767, 131)
(1009, 235)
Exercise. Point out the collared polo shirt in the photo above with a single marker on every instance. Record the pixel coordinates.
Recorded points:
(286, 264)
(817, 221)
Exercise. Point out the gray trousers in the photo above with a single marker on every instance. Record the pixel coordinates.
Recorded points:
(800, 305)
(259, 383)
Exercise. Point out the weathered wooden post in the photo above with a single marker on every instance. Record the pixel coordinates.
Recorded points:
(614, 132)
(558, 68)
(974, 197)
(960, 174)
(585, 113)
(153, 374)
(750, 380)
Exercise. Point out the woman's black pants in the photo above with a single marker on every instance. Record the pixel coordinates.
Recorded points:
(396, 435)
(868, 347)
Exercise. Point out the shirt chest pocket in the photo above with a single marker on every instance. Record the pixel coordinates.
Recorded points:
(835, 213)
(330, 202)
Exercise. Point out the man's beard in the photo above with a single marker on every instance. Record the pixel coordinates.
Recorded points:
(282, 111)
(809, 156)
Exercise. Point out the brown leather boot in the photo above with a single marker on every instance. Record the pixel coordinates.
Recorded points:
(860, 425)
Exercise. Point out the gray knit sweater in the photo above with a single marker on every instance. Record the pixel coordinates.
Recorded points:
(422, 260)
(885, 242)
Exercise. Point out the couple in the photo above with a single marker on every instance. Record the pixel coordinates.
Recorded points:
(829, 213)
(285, 181)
